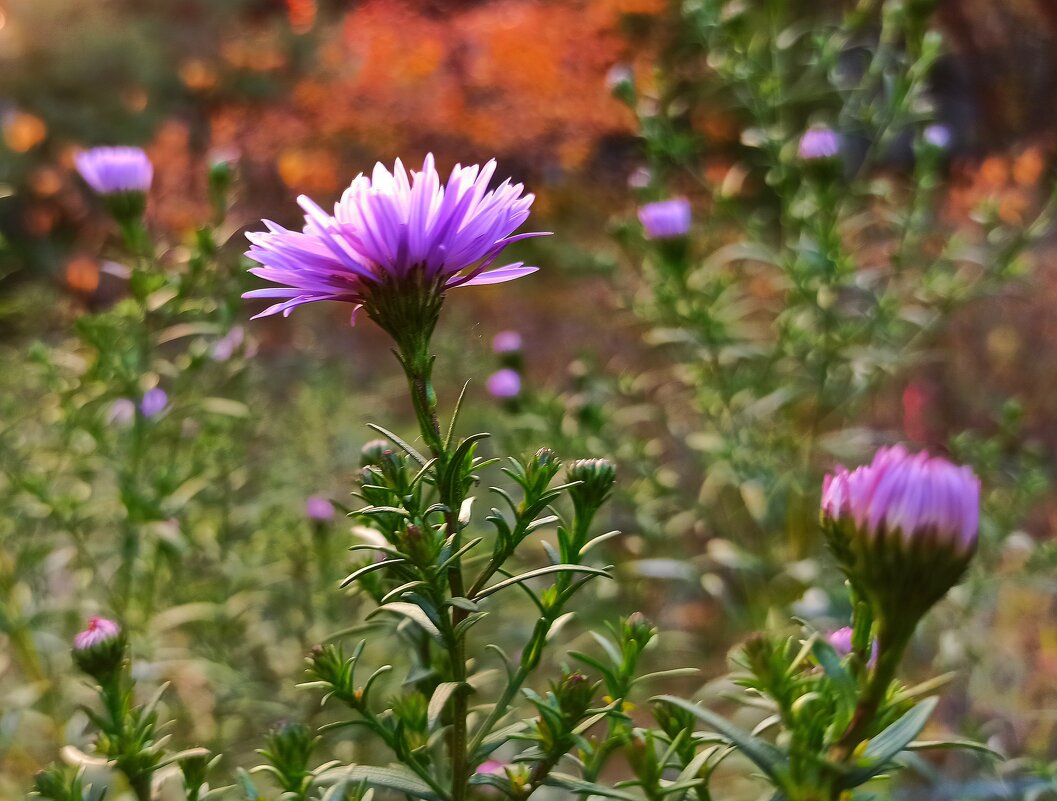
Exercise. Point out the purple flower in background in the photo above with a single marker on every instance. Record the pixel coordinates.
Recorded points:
(153, 402)
(504, 384)
(506, 342)
(394, 231)
(819, 143)
(938, 135)
(913, 495)
(491, 767)
(225, 347)
(98, 630)
(111, 170)
(666, 219)
(121, 413)
(319, 509)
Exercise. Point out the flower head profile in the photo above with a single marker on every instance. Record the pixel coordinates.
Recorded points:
(154, 402)
(504, 384)
(319, 509)
(395, 243)
(99, 650)
(506, 342)
(938, 136)
(903, 527)
(112, 170)
(819, 143)
(666, 219)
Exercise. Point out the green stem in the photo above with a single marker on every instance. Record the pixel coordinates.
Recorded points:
(891, 643)
(418, 367)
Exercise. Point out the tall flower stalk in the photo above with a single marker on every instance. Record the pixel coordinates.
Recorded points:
(395, 244)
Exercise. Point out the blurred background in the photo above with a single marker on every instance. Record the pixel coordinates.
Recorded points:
(597, 106)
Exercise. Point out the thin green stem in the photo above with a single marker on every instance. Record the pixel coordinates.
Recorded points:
(418, 367)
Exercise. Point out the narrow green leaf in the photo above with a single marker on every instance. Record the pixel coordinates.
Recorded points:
(968, 745)
(581, 787)
(413, 613)
(841, 679)
(455, 416)
(763, 754)
(542, 571)
(385, 432)
(363, 571)
(394, 778)
(445, 690)
(885, 746)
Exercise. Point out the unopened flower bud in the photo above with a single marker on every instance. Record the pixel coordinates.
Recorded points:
(99, 650)
(596, 477)
(55, 784)
(318, 509)
(120, 175)
(289, 748)
(841, 642)
(903, 528)
(574, 692)
(504, 384)
(154, 402)
(506, 342)
(819, 143)
(937, 136)
(666, 219)
(371, 453)
(636, 629)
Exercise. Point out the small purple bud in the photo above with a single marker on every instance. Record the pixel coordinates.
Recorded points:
(121, 413)
(507, 342)
(819, 143)
(903, 528)
(99, 630)
(153, 402)
(99, 650)
(111, 170)
(666, 219)
(319, 509)
(914, 495)
(938, 135)
(841, 641)
(491, 767)
(504, 384)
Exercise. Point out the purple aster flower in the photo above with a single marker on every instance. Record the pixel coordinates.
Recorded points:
(98, 630)
(506, 342)
(819, 143)
(153, 402)
(112, 170)
(121, 413)
(391, 235)
(504, 384)
(912, 495)
(938, 135)
(319, 509)
(666, 219)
